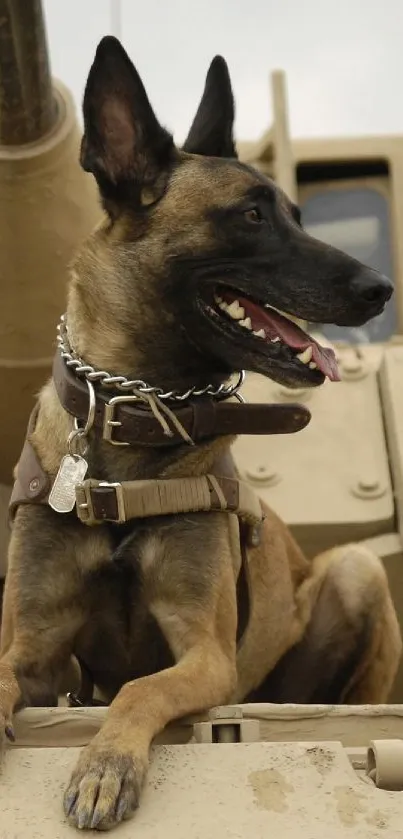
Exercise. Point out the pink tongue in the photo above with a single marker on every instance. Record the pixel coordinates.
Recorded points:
(277, 326)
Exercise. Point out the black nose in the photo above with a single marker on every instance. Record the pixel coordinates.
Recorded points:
(372, 287)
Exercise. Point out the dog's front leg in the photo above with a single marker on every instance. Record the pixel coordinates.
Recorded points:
(189, 585)
(44, 605)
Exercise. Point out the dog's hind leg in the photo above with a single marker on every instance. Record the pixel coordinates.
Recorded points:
(351, 647)
(189, 583)
(44, 606)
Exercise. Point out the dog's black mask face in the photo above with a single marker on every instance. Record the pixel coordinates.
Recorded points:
(208, 251)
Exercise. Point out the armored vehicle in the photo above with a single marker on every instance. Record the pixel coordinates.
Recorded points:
(341, 478)
(247, 770)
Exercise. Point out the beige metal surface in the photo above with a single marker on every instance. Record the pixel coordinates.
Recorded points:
(306, 775)
(284, 168)
(353, 726)
(228, 791)
(330, 482)
(391, 381)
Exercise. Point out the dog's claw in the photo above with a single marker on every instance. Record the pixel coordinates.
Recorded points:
(84, 820)
(6, 730)
(9, 732)
(70, 799)
(128, 803)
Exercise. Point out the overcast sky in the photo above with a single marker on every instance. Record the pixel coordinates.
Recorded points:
(343, 58)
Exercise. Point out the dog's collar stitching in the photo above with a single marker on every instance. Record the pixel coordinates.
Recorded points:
(81, 369)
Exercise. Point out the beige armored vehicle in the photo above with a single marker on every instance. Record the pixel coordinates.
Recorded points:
(249, 770)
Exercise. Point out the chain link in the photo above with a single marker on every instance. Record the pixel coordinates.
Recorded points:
(125, 385)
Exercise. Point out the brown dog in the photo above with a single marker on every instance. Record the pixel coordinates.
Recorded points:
(194, 248)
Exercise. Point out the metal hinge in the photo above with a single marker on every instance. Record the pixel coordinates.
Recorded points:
(226, 724)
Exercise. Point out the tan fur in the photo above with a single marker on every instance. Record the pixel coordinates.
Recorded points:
(154, 617)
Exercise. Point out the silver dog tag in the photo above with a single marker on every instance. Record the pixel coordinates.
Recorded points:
(72, 471)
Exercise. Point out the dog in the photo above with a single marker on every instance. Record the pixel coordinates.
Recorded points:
(183, 283)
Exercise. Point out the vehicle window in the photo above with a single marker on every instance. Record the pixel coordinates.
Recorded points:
(356, 221)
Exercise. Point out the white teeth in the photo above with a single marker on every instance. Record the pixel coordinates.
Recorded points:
(305, 356)
(235, 310)
(247, 323)
(275, 340)
(260, 333)
(313, 366)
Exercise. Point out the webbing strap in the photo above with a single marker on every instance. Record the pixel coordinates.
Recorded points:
(99, 501)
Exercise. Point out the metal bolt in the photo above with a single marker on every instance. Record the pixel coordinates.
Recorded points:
(352, 365)
(368, 484)
(34, 485)
(262, 474)
(292, 393)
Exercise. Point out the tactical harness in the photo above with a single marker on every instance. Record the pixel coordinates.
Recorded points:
(121, 420)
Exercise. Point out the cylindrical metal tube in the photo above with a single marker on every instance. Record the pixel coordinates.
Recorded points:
(28, 108)
(47, 206)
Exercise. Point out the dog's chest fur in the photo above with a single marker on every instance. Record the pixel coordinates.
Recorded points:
(120, 639)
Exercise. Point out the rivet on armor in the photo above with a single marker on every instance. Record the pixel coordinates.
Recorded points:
(368, 487)
(262, 474)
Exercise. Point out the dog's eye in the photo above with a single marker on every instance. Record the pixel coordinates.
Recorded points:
(253, 215)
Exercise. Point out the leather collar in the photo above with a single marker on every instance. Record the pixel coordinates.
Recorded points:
(122, 421)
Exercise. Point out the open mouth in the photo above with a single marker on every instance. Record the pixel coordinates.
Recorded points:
(275, 333)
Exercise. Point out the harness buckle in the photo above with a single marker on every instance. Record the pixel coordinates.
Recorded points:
(109, 418)
(100, 501)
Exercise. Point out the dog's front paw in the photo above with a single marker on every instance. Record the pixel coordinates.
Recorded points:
(104, 788)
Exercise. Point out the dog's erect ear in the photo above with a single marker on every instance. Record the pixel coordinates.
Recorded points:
(211, 133)
(124, 145)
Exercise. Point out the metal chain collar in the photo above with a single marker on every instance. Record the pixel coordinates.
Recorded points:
(126, 385)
